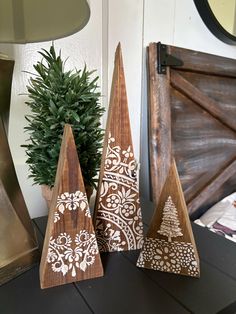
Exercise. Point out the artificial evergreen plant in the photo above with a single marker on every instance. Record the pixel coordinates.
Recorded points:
(57, 97)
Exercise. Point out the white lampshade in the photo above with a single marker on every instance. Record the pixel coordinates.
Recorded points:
(25, 21)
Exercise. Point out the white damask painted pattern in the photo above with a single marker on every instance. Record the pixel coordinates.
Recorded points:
(65, 254)
(119, 222)
(168, 256)
(71, 201)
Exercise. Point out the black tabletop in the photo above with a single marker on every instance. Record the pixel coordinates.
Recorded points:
(128, 289)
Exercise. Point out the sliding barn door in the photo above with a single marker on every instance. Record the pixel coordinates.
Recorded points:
(192, 112)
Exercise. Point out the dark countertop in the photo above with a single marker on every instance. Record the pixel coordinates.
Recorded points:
(128, 289)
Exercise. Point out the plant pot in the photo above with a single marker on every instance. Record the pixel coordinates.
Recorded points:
(47, 193)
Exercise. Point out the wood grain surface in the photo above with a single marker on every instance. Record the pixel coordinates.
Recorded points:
(159, 124)
(70, 251)
(117, 210)
(169, 245)
(202, 103)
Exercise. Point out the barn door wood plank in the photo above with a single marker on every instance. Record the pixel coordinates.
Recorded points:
(198, 140)
(202, 104)
(159, 124)
(184, 86)
(203, 62)
(212, 187)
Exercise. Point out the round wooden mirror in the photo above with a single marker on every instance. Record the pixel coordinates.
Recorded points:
(220, 18)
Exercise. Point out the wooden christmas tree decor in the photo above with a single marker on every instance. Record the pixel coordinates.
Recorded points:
(169, 245)
(70, 251)
(117, 210)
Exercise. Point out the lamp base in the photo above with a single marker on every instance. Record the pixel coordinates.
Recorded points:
(19, 265)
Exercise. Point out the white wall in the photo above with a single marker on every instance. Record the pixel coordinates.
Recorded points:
(84, 46)
(135, 23)
(125, 25)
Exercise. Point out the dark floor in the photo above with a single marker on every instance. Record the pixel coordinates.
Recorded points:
(127, 289)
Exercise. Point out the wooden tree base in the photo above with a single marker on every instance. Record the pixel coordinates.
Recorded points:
(18, 248)
(70, 251)
(117, 210)
(169, 245)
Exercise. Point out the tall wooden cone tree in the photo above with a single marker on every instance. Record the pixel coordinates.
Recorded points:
(117, 210)
(70, 251)
(169, 245)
